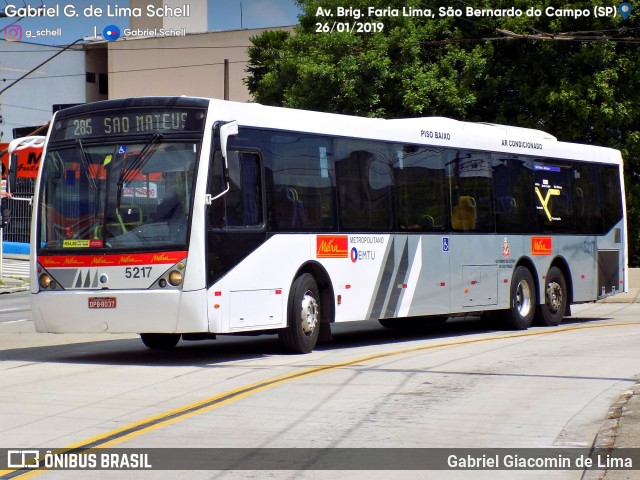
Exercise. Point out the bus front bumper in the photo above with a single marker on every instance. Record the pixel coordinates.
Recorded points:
(120, 311)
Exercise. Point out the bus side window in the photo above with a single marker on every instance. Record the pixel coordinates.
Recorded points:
(587, 199)
(241, 206)
(513, 194)
(611, 195)
(471, 191)
(301, 187)
(420, 188)
(554, 195)
(365, 185)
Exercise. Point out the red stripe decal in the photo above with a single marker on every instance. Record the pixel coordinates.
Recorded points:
(111, 260)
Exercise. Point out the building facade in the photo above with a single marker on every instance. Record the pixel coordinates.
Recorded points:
(197, 64)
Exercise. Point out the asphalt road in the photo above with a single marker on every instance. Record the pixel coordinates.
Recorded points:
(459, 385)
(15, 308)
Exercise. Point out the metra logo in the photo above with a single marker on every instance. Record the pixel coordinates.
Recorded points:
(332, 246)
(541, 245)
(129, 259)
(50, 262)
(162, 258)
(100, 261)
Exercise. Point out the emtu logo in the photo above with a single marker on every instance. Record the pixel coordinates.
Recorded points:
(13, 33)
(111, 33)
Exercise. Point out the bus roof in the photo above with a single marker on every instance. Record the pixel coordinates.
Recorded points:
(432, 131)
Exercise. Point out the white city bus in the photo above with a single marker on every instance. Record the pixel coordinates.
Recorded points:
(188, 217)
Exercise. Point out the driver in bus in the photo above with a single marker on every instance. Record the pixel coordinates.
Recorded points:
(171, 208)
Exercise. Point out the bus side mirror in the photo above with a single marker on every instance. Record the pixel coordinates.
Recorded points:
(227, 130)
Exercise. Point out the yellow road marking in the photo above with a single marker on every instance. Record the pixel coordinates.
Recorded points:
(119, 435)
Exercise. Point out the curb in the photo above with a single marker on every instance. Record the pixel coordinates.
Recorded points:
(609, 435)
(13, 285)
(13, 289)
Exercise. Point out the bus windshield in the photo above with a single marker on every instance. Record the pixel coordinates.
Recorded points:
(117, 196)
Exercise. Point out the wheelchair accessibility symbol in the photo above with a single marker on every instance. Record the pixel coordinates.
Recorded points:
(445, 244)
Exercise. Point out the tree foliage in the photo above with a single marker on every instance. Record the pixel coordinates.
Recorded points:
(576, 78)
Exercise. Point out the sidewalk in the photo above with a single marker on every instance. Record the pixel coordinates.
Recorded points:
(633, 295)
(620, 429)
(11, 283)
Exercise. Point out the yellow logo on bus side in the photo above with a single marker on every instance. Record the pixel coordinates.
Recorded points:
(545, 201)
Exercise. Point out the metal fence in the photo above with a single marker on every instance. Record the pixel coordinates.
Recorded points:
(20, 210)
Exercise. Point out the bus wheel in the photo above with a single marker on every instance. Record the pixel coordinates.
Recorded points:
(555, 299)
(522, 301)
(303, 316)
(160, 341)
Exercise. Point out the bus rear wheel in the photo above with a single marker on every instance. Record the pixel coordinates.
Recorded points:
(160, 341)
(522, 303)
(303, 316)
(555, 299)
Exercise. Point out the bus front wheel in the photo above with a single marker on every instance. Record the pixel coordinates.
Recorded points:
(555, 295)
(303, 316)
(522, 303)
(160, 341)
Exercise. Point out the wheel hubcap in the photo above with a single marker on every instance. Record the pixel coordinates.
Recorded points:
(554, 297)
(523, 299)
(309, 313)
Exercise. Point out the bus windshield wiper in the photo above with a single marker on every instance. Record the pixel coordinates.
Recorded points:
(85, 163)
(128, 172)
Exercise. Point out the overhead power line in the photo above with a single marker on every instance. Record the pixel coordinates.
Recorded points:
(38, 66)
(565, 37)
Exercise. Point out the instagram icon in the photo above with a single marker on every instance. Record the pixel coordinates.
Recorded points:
(13, 33)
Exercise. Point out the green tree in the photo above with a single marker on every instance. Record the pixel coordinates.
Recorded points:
(574, 77)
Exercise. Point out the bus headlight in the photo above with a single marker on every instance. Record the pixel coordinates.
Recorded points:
(45, 280)
(175, 278)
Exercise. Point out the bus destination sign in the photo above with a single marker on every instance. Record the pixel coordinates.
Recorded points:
(138, 121)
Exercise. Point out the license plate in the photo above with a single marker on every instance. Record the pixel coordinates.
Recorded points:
(102, 302)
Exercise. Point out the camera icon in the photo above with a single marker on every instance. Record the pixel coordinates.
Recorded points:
(13, 33)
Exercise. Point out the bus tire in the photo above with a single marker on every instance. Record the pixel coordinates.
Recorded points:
(522, 302)
(160, 341)
(303, 316)
(551, 312)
